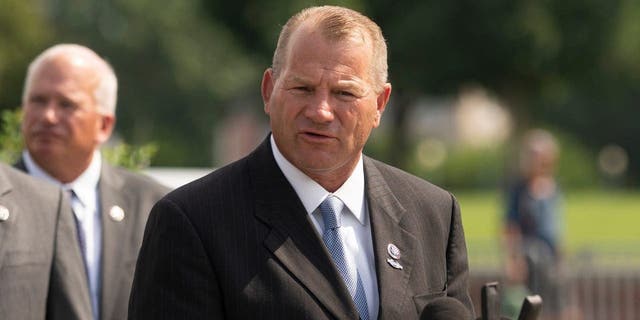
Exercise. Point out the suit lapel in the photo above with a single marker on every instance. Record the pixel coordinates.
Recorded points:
(113, 233)
(293, 239)
(20, 165)
(5, 189)
(388, 227)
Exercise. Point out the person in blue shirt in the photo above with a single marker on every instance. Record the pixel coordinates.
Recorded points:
(534, 220)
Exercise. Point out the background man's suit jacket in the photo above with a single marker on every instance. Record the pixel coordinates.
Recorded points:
(135, 194)
(238, 244)
(41, 271)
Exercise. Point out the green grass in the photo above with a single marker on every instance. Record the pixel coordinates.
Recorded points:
(601, 226)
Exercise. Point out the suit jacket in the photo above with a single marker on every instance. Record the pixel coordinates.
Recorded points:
(135, 194)
(238, 244)
(41, 271)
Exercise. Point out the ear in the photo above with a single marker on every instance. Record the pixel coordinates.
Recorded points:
(381, 103)
(106, 124)
(268, 83)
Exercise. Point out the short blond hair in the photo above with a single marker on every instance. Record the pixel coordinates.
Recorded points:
(106, 91)
(337, 23)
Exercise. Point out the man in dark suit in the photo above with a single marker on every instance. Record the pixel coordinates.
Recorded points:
(69, 112)
(40, 264)
(306, 227)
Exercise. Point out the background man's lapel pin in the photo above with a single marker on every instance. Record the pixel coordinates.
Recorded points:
(116, 213)
(4, 213)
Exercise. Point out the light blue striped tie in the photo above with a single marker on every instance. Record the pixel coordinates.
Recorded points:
(331, 209)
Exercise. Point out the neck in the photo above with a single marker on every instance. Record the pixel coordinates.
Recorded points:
(65, 170)
(331, 180)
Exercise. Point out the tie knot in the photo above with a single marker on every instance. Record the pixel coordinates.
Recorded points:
(70, 193)
(331, 209)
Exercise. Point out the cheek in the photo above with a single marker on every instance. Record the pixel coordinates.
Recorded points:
(94, 125)
(275, 117)
(29, 120)
(29, 114)
(285, 113)
(359, 119)
(363, 125)
(77, 127)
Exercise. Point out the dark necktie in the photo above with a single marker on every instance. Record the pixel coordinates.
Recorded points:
(80, 231)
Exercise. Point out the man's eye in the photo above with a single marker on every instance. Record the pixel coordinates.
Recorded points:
(67, 105)
(346, 94)
(38, 100)
(300, 90)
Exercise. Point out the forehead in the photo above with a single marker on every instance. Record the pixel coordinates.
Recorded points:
(72, 74)
(310, 50)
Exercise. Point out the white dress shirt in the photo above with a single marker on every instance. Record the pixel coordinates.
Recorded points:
(356, 226)
(86, 208)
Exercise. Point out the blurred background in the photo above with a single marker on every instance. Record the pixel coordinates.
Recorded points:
(470, 78)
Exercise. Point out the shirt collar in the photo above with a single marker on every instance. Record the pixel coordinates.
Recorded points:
(84, 186)
(312, 194)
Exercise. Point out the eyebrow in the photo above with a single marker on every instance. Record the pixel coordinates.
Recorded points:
(355, 83)
(296, 78)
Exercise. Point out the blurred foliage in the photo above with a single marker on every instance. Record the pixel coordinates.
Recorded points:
(185, 65)
(571, 64)
(118, 154)
(128, 156)
(23, 31)
(11, 144)
(577, 166)
(464, 168)
(177, 69)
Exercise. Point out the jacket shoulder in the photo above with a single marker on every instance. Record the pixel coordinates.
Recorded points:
(400, 179)
(134, 180)
(215, 184)
(26, 184)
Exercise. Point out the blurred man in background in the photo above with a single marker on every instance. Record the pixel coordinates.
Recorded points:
(69, 103)
(41, 271)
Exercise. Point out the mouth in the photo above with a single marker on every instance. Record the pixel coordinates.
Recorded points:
(46, 134)
(316, 136)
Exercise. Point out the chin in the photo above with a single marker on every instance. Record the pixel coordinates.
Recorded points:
(46, 151)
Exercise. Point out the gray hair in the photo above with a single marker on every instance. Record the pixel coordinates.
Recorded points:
(106, 91)
(337, 23)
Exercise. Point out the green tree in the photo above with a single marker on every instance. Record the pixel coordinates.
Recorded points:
(23, 29)
(10, 139)
(176, 68)
(184, 65)
(572, 64)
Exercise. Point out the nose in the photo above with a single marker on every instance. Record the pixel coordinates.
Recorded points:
(319, 109)
(50, 113)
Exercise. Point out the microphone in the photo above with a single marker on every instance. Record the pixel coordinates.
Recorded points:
(530, 310)
(445, 308)
(531, 307)
(490, 301)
